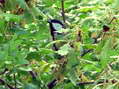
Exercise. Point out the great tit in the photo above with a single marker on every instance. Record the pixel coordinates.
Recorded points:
(55, 26)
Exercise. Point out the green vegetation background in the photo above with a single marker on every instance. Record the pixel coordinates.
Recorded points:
(26, 44)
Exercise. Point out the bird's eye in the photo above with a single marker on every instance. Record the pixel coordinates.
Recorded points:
(57, 26)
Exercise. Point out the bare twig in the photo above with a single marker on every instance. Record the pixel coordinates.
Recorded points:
(5, 70)
(63, 11)
(100, 82)
(15, 82)
(52, 84)
(4, 83)
(33, 74)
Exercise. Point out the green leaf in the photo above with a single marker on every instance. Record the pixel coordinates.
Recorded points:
(64, 50)
(73, 60)
(88, 8)
(25, 69)
(11, 17)
(46, 51)
(69, 86)
(107, 52)
(30, 86)
(2, 24)
(72, 76)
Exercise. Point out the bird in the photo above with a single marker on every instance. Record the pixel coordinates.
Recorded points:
(55, 25)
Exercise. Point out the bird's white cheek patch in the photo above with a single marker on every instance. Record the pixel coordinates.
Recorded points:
(57, 26)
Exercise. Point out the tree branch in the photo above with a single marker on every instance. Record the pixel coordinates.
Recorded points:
(63, 11)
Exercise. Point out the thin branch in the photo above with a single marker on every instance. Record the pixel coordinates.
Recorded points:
(63, 11)
(4, 83)
(85, 51)
(33, 74)
(5, 70)
(15, 82)
(52, 84)
(100, 82)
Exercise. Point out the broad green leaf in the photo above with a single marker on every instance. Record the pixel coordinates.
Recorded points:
(64, 50)
(30, 86)
(25, 69)
(2, 24)
(88, 8)
(46, 51)
(106, 53)
(11, 17)
(72, 76)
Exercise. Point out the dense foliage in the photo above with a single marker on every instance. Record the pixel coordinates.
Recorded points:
(89, 45)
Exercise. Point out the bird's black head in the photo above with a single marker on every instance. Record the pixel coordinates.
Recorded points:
(55, 21)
